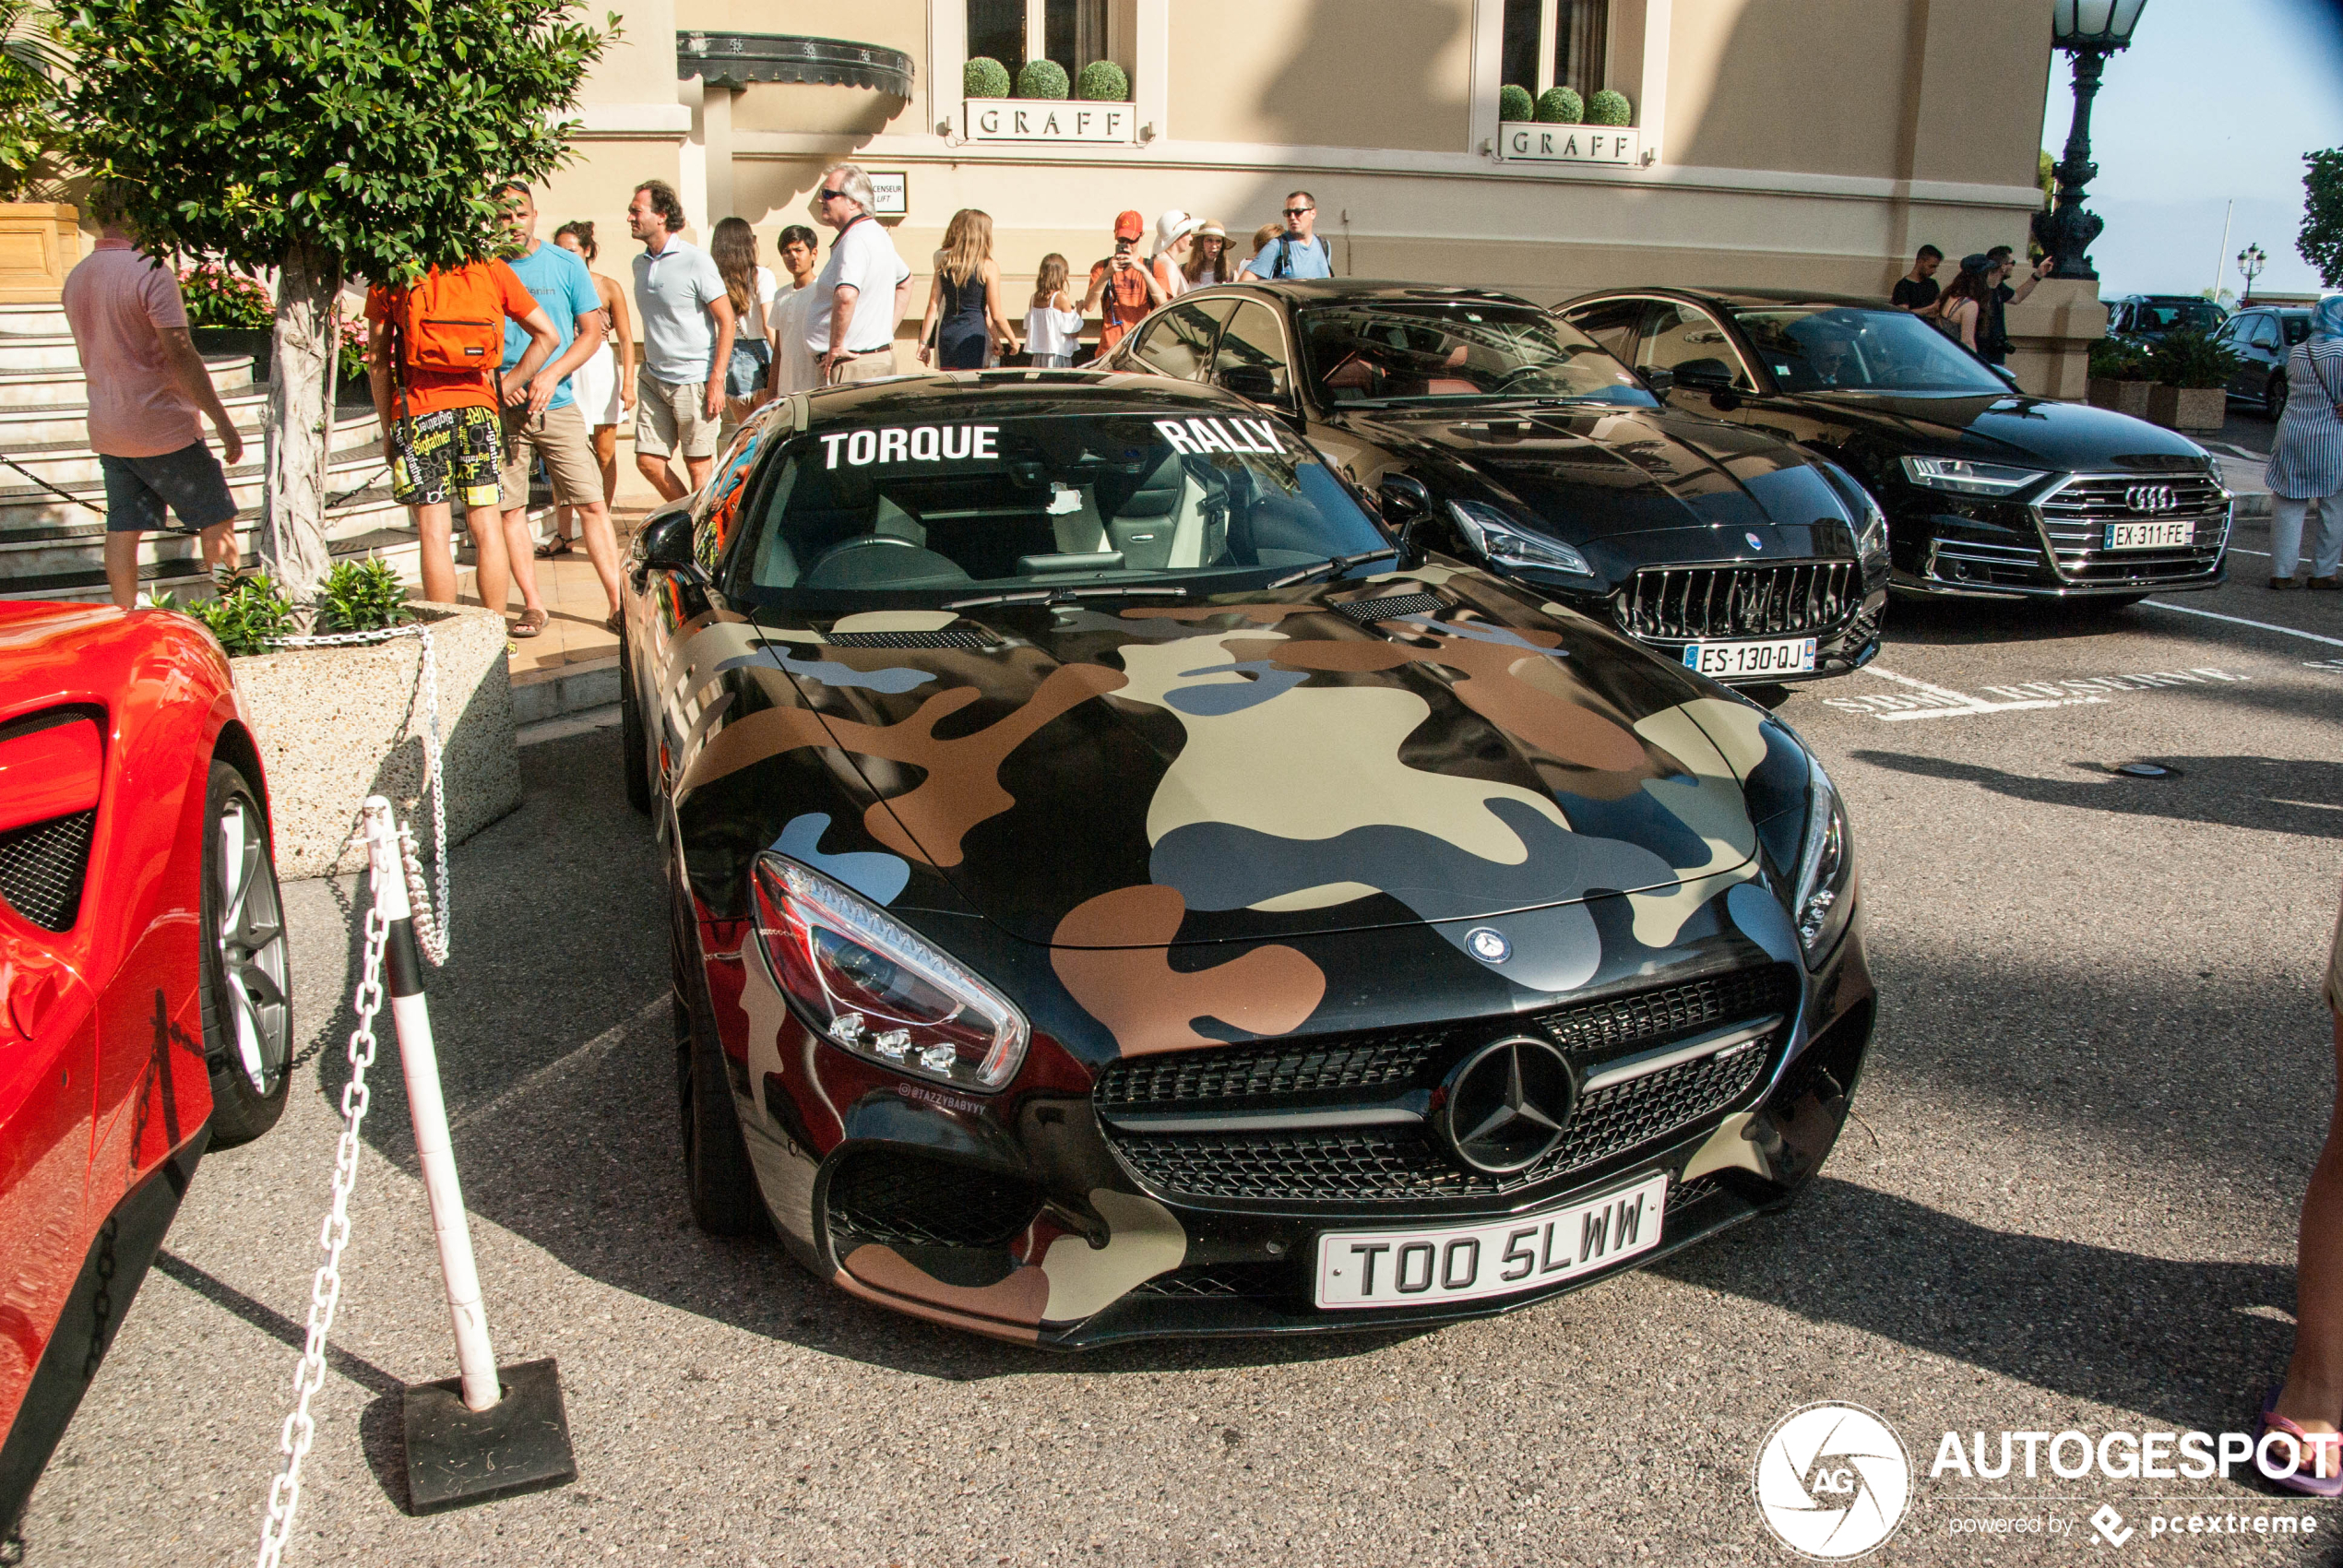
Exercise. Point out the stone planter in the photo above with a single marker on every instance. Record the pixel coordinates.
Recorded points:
(260, 342)
(2124, 397)
(2188, 408)
(39, 240)
(338, 724)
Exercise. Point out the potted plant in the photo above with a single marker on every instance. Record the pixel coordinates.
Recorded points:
(984, 77)
(1608, 108)
(2190, 375)
(2118, 376)
(1043, 79)
(229, 313)
(1515, 104)
(1103, 81)
(1561, 106)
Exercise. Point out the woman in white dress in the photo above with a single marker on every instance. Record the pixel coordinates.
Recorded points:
(604, 386)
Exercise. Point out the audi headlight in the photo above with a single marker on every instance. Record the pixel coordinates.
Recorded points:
(1825, 869)
(1502, 541)
(1965, 478)
(876, 990)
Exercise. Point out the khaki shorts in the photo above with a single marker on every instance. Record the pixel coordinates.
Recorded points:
(559, 436)
(672, 416)
(864, 367)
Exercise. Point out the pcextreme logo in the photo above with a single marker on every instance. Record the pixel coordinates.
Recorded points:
(1831, 1480)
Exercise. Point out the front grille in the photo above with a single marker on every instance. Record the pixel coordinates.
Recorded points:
(1223, 1280)
(43, 866)
(973, 641)
(1350, 1164)
(2075, 516)
(1693, 603)
(902, 1197)
(1365, 610)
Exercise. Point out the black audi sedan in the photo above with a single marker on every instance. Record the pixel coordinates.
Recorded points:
(1492, 432)
(1988, 492)
(1116, 892)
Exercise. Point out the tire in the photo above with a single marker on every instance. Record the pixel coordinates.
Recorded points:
(2274, 397)
(634, 757)
(247, 1009)
(718, 1177)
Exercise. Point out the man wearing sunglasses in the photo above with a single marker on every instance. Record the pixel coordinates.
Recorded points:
(850, 320)
(1297, 252)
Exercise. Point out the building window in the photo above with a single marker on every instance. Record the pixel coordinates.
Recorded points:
(996, 31)
(1555, 44)
(1072, 32)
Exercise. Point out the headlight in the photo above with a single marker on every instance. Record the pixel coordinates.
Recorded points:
(1504, 543)
(1870, 534)
(1825, 870)
(1965, 478)
(876, 990)
(2220, 475)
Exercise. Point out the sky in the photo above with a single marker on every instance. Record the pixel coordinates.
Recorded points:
(2215, 102)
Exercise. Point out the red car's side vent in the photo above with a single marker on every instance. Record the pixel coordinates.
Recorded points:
(42, 867)
(50, 767)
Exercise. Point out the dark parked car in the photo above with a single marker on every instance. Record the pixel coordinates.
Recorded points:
(2261, 337)
(1114, 893)
(1504, 436)
(1988, 491)
(2148, 317)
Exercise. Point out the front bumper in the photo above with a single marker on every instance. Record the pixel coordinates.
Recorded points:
(2053, 545)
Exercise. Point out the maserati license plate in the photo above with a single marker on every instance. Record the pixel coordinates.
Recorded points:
(2150, 536)
(1463, 1263)
(1724, 660)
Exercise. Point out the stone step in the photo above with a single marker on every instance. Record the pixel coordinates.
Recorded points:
(38, 351)
(33, 321)
(174, 561)
(38, 554)
(27, 510)
(64, 385)
(38, 437)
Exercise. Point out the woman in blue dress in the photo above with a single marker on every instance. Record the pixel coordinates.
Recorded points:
(2306, 464)
(964, 316)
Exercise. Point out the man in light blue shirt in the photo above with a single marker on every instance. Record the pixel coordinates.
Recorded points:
(1297, 252)
(688, 324)
(544, 419)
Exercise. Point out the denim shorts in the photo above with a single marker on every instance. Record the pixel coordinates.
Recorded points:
(745, 376)
(189, 481)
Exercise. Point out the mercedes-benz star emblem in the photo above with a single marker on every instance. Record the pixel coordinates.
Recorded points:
(2151, 498)
(1506, 1105)
(1755, 543)
(1489, 944)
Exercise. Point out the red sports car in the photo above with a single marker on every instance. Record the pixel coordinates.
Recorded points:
(143, 994)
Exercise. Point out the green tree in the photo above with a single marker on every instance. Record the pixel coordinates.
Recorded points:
(2321, 240)
(324, 138)
(30, 62)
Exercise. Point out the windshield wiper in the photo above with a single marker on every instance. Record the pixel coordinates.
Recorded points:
(1332, 565)
(1065, 596)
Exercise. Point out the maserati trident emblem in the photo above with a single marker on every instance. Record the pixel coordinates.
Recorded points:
(1755, 543)
(2151, 498)
(1506, 1105)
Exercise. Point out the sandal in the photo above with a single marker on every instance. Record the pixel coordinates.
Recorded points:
(530, 623)
(558, 545)
(2317, 1452)
(616, 623)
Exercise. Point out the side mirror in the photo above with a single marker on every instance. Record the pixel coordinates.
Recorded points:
(1255, 382)
(1403, 496)
(1660, 379)
(665, 544)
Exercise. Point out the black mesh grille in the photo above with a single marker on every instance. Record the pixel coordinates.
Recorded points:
(42, 868)
(1737, 601)
(1365, 610)
(899, 1197)
(1223, 1279)
(1596, 1029)
(1264, 1072)
(973, 640)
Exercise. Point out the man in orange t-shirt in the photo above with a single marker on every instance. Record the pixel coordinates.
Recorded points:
(1122, 288)
(442, 437)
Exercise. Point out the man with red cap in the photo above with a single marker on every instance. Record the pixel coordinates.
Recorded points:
(1125, 284)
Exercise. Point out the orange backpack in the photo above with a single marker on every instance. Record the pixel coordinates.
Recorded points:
(451, 320)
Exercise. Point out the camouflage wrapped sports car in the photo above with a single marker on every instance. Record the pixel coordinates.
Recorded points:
(1115, 893)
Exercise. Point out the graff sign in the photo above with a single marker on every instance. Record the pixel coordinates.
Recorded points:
(1009, 119)
(1569, 144)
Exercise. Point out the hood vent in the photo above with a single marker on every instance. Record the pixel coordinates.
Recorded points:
(1362, 611)
(973, 641)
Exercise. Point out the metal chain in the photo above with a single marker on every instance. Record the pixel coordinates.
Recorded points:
(324, 1291)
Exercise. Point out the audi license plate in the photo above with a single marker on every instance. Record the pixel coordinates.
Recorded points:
(1794, 656)
(1465, 1262)
(2150, 536)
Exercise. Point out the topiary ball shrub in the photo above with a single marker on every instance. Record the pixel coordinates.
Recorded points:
(1102, 81)
(1043, 79)
(984, 78)
(1608, 108)
(1560, 106)
(1515, 103)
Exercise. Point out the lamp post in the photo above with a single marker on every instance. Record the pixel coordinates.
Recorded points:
(2089, 30)
(2250, 261)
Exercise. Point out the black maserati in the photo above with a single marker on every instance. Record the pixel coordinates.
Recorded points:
(1989, 492)
(1491, 431)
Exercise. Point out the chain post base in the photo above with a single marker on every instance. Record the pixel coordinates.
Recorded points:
(458, 1456)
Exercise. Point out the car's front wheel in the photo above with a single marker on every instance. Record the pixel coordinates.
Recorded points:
(2273, 396)
(247, 1008)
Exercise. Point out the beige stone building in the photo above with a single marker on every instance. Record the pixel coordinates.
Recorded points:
(1807, 143)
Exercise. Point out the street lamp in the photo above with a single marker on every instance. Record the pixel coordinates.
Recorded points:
(2089, 30)
(2250, 261)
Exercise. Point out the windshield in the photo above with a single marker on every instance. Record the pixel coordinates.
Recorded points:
(1372, 353)
(1141, 503)
(1846, 347)
(2163, 315)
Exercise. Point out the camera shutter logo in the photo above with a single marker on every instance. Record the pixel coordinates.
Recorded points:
(1831, 1480)
(2151, 498)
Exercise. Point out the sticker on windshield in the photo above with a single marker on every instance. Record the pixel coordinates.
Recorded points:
(1196, 437)
(911, 444)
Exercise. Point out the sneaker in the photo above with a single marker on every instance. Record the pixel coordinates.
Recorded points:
(2332, 585)
(2279, 583)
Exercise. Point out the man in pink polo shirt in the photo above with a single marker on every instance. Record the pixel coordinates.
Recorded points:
(147, 387)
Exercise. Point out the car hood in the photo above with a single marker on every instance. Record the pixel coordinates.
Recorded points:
(1420, 747)
(2029, 432)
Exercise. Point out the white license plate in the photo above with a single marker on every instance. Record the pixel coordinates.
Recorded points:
(1465, 1262)
(1793, 657)
(2150, 536)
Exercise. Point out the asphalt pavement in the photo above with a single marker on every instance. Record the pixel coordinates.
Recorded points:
(2068, 1203)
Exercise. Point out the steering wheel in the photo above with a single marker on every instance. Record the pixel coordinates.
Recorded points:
(1504, 381)
(861, 542)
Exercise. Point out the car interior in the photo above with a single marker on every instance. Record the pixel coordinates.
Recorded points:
(1376, 355)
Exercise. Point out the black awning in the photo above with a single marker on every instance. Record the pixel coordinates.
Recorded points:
(736, 59)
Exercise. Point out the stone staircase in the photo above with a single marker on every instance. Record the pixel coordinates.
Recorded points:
(53, 548)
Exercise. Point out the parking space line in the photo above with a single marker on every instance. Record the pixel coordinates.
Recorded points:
(2242, 621)
(1938, 702)
(544, 1077)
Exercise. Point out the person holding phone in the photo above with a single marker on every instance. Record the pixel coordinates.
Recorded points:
(1123, 287)
(1993, 338)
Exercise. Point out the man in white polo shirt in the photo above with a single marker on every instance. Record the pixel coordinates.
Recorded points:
(850, 322)
(687, 340)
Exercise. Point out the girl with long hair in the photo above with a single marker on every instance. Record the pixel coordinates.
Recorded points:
(963, 318)
(604, 386)
(732, 247)
(1207, 261)
(1053, 325)
(1961, 311)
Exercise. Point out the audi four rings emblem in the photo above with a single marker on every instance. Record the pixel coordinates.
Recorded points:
(2151, 498)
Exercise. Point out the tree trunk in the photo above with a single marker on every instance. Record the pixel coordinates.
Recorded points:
(293, 532)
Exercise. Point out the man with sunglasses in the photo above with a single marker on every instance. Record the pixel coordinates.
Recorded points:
(1297, 252)
(850, 320)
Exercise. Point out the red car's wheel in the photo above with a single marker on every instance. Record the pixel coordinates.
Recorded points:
(247, 1009)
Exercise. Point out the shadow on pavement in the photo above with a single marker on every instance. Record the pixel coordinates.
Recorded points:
(2267, 794)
